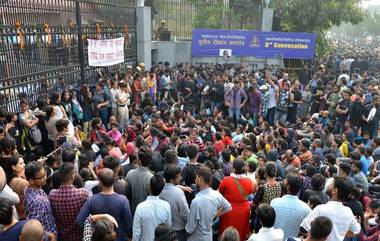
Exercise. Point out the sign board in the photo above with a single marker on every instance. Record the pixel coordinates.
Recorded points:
(105, 52)
(213, 42)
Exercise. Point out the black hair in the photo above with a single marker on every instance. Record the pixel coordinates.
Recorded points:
(266, 214)
(145, 156)
(104, 230)
(163, 148)
(239, 166)
(205, 173)
(171, 172)
(32, 168)
(85, 174)
(9, 163)
(252, 166)
(261, 173)
(170, 157)
(132, 157)
(157, 183)
(270, 169)
(164, 232)
(357, 164)
(355, 155)
(344, 186)
(48, 112)
(7, 145)
(6, 211)
(332, 170)
(83, 161)
(66, 170)
(344, 166)
(111, 162)
(192, 151)
(226, 155)
(61, 124)
(314, 201)
(68, 155)
(294, 183)
(320, 228)
(55, 180)
(331, 159)
(182, 150)
(317, 182)
(96, 121)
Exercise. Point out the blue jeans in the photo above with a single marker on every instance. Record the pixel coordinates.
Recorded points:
(280, 116)
(216, 104)
(234, 112)
(270, 115)
(255, 118)
(103, 114)
(374, 130)
(339, 126)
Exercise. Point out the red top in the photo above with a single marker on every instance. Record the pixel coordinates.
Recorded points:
(219, 146)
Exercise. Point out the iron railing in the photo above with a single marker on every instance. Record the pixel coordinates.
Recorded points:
(42, 40)
(181, 16)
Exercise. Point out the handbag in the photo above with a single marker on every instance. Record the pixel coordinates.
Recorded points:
(240, 188)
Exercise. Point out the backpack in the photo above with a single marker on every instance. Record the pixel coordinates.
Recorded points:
(33, 134)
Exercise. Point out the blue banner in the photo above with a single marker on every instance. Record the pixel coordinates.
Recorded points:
(215, 42)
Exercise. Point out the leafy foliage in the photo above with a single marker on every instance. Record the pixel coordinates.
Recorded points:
(318, 16)
(237, 14)
(368, 27)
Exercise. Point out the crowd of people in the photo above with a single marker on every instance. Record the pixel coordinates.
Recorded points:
(197, 153)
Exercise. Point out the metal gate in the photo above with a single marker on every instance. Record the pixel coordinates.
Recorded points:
(42, 40)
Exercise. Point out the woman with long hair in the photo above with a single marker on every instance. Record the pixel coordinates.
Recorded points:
(67, 105)
(50, 120)
(15, 173)
(236, 188)
(56, 102)
(85, 101)
(100, 227)
(268, 191)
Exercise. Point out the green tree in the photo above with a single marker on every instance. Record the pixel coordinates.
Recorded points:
(318, 16)
(237, 14)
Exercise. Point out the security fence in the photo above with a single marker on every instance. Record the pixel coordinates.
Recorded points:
(181, 16)
(42, 40)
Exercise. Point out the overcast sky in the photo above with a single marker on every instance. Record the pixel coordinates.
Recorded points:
(366, 3)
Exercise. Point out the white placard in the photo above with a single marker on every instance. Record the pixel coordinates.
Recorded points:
(105, 52)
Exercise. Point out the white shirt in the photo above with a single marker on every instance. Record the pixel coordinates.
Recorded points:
(272, 97)
(341, 216)
(267, 234)
(113, 99)
(149, 214)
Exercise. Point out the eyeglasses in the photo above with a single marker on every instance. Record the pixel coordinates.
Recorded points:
(38, 178)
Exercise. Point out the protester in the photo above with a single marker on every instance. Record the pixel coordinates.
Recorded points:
(36, 202)
(236, 188)
(108, 202)
(173, 121)
(267, 216)
(151, 212)
(289, 207)
(177, 200)
(206, 205)
(344, 222)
